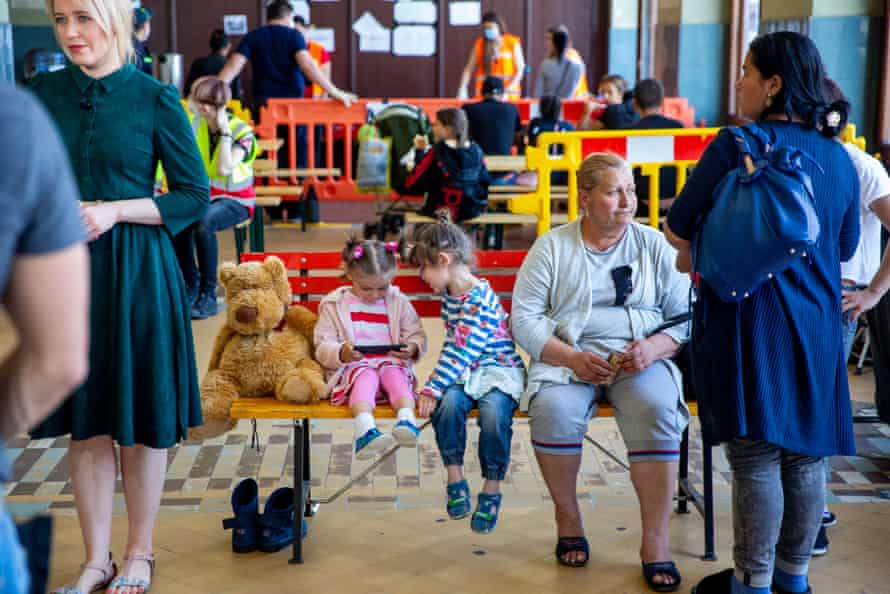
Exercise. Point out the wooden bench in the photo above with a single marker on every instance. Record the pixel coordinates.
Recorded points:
(311, 277)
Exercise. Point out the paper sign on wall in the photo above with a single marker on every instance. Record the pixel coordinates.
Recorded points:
(301, 9)
(423, 13)
(235, 24)
(366, 24)
(323, 36)
(414, 40)
(375, 41)
(464, 13)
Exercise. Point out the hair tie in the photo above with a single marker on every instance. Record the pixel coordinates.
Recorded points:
(391, 246)
(357, 252)
(833, 119)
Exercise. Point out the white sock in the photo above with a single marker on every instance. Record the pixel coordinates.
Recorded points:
(364, 422)
(407, 414)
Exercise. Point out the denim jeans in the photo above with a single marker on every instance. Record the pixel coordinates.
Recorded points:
(222, 214)
(495, 424)
(849, 328)
(777, 502)
(14, 576)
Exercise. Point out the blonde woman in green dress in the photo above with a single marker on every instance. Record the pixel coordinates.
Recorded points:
(141, 394)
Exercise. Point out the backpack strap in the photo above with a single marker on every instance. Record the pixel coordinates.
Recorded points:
(741, 140)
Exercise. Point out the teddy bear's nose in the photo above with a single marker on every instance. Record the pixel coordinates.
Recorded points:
(246, 315)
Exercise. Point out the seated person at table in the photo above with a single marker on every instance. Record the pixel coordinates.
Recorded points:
(549, 121)
(228, 147)
(494, 124)
(452, 172)
(613, 106)
(647, 101)
(588, 307)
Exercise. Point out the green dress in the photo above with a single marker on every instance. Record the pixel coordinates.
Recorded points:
(142, 386)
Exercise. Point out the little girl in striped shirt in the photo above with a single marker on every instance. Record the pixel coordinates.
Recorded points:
(478, 367)
(372, 312)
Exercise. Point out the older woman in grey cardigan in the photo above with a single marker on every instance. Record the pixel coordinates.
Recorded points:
(586, 301)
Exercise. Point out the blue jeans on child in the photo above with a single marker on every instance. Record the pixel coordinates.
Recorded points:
(14, 576)
(777, 502)
(223, 213)
(495, 422)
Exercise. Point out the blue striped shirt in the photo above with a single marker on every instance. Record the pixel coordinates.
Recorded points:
(476, 335)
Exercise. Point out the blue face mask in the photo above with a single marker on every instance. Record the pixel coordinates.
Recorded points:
(490, 33)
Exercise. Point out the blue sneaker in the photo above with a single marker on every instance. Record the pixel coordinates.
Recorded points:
(458, 506)
(406, 434)
(372, 443)
(278, 521)
(485, 518)
(245, 525)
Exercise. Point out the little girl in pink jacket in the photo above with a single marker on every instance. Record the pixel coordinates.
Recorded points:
(371, 313)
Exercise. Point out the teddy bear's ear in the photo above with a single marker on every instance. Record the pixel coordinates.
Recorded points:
(275, 266)
(227, 272)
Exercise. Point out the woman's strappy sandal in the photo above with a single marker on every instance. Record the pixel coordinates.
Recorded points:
(111, 569)
(138, 583)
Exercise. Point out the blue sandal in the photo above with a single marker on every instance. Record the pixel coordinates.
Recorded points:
(668, 568)
(458, 506)
(485, 518)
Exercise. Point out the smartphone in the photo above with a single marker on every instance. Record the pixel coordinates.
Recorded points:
(378, 349)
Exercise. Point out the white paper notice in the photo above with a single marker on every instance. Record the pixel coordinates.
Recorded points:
(464, 13)
(235, 24)
(323, 36)
(423, 13)
(414, 40)
(301, 9)
(375, 41)
(366, 24)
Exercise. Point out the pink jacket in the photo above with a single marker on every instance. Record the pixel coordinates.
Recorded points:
(334, 327)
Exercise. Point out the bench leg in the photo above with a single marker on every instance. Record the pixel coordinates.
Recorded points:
(257, 231)
(239, 243)
(683, 472)
(307, 471)
(299, 499)
(707, 477)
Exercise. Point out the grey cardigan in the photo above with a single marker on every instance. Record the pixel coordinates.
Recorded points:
(553, 297)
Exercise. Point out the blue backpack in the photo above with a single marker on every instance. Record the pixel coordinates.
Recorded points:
(763, 217)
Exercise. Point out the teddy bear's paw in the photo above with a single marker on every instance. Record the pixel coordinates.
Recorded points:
(294, 388)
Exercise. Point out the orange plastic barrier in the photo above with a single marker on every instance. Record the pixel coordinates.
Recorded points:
(338, 123)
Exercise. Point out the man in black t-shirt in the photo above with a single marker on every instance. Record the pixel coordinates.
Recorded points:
(648, 100)
(494, 123)
(280, 60)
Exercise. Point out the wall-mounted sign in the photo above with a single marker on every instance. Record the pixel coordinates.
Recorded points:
(235, 24)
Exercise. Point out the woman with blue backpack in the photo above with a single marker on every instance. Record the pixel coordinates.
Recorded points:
(767, 352)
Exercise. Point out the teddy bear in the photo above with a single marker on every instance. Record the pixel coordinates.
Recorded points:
(264, 348)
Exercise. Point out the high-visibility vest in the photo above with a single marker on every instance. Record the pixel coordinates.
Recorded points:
(503, 66)
(241, 176)
(316, 50)
(581, 89)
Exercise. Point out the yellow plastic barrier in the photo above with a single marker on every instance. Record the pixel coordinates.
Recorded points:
(645, 149)
(649, 149)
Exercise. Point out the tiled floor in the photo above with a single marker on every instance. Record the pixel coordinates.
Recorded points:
(387, 534)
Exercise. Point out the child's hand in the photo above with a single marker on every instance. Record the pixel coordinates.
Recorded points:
(426, 405)
(348, 354)
(408, 353)
(421, 142)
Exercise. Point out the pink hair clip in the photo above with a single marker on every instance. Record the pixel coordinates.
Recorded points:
(357, 252)
(391, 246)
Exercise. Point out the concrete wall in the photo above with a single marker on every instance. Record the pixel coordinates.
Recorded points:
(623, 40)
(702, 57)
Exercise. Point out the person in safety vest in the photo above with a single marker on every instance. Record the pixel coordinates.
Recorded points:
(141, 33)
(228, 147)
(582, 90)
(320, 56)
(496, 53)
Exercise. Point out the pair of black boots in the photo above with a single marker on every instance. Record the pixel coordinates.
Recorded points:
(268, 533)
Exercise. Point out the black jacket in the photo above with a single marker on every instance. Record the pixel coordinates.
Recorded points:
(452, 178)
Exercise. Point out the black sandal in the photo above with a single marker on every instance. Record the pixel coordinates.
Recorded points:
(571, 544)
(669, 568)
